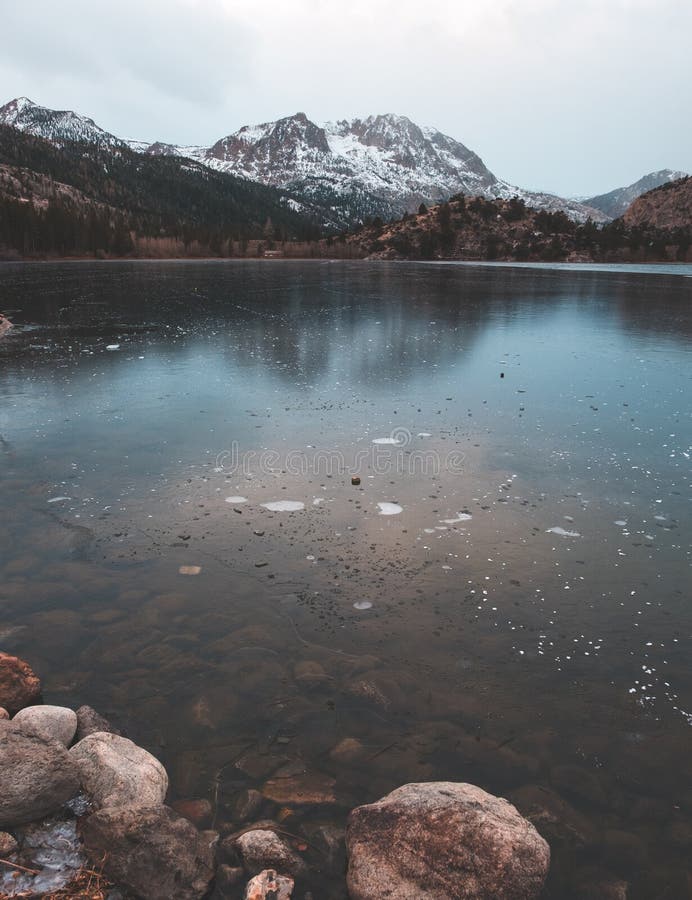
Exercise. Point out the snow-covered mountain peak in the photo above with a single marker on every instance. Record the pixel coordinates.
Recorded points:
(54, 125)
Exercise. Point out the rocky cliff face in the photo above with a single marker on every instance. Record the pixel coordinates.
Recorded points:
(666, 207)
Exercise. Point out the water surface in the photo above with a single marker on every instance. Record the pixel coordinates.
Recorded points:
(503, 598)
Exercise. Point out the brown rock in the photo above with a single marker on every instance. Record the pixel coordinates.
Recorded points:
(347, 751)
(37, 776)
(247, 805)
(554, 818)
(19, 686)
(300, 790)
(89, 722)
(199, 812)
(152, 852)
(227, 880)
(443, 841)
(3, 713)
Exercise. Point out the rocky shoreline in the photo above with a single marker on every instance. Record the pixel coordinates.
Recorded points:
(82, 804)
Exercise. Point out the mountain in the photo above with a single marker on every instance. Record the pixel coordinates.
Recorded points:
(76, 198)
(59, 126)
(614, 203)
(668, 207)
(380, 166)
(383, 165)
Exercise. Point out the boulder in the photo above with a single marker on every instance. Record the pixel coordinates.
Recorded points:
(116, 772)
(152, 852)
(58, 723)
(19, 686)
(37, 776)
(89, 722)
(261, 849)
(443, 841)
(269, 886)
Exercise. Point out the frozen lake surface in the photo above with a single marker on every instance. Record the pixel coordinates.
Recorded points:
(502, 598)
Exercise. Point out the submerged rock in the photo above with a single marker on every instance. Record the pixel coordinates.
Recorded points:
(262, 849)
(89, 722)
(300, 790)
(199, 812)
(443, 841)
(116, 772)
(269, 886)
(37, 776)
(152, 852)
(19, 686)
(57, 723)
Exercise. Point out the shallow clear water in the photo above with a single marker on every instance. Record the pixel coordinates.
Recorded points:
(502, 599)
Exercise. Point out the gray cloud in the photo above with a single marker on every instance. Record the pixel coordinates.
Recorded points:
(573, 97)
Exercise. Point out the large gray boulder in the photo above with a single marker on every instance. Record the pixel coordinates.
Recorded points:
(152, 852)
(37, 776)
(116, 772)
(443, 841)
(58, 723)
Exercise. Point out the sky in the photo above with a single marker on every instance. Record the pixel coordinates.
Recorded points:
(573, 97)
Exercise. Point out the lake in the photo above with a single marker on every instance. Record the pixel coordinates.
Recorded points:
(503, 598)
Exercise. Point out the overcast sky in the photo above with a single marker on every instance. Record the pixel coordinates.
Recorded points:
(574, 97)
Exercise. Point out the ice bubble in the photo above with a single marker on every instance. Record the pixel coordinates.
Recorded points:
(362, 604)
(58, 499)
(284, 505)
(113, 347)
(461, 517)
(390, 509)
(562, 532)
(387, 440)
(424, 434)
(620, 522)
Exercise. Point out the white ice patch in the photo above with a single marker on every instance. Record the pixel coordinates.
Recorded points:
(388, 440)
(284, 505)
(424, 434)
(113, 347)
(461, 517)
(58, 499)
(362, 604)
(236, 499)
(562, 532)
(317, 501)
(390, 509)
(620, 522)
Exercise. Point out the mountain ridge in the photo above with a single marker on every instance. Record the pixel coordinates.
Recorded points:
(380, 166)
